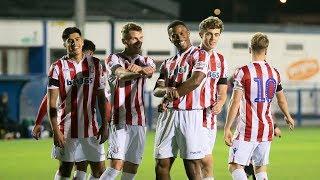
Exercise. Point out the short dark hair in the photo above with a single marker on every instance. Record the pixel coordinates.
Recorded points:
(70, 30)
(176, 23)
(129, 27)
(88, 45)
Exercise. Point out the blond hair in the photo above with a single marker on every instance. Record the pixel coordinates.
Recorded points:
(129, 27)
(211, 23)
(259, 42)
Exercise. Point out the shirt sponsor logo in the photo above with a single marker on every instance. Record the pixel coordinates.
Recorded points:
(213, 74)
(80, 81)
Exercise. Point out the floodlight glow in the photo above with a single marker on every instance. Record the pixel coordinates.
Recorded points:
(283, 1)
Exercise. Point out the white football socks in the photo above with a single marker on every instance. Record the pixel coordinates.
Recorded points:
(109, 174)
(261, 176)
(239, 174)
(79, 175)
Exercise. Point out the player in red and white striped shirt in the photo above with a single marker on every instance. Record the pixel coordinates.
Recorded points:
(215, 88)
(129, 71)
(80, 164)
(255, 86)
(75, 83)
(179, 127)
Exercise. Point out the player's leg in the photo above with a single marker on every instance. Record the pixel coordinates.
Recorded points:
(189, 132)
(66, 158)
(80, 164)
(240, 154)
(207, 161)
(134, 152)
(261, 172)
(260, 160)
(207, 167)
(165, 146)
(118, 138)
(249, 171)
(163, 167)
(95, 155)
(237, 171)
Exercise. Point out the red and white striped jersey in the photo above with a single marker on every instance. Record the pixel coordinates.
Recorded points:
(216, 71)
(127, 97)
(259, 82)
(178, 69)
(78, 84)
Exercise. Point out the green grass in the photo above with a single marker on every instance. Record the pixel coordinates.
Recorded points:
(294, 156)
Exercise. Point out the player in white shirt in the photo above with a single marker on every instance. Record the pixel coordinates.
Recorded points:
(255, 85)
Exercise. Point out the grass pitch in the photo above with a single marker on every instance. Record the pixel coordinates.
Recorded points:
(293, 156)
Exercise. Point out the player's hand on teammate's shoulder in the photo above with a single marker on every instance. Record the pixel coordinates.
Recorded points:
(58, 139)
(36, 131)
(103, 134)
(290, 122)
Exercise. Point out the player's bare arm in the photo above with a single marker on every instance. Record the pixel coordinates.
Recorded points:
(148, 71)
(58, 137)
(221, 98)
(103, 131)
(283, 104)
(189, 85)
(125, 74)
(160, 90)
(144, 71)
(231, 115)
(36, 131)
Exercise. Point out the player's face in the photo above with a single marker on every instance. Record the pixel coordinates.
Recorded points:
(210, 38)
(180, 37)
(88, 52)
(74, 44)
(133, 41)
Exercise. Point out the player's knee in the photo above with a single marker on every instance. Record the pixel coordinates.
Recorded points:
(162, 166)
(116, 164)
(65, 169)
(233, 166)
(130, 167)
(81, 166)
(97, 168)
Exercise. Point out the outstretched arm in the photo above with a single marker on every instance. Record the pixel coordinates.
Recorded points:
(283, 105)
(232, 114)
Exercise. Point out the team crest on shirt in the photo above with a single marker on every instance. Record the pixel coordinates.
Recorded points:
(182, 69)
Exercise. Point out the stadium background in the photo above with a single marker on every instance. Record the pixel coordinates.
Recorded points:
(30, 40)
